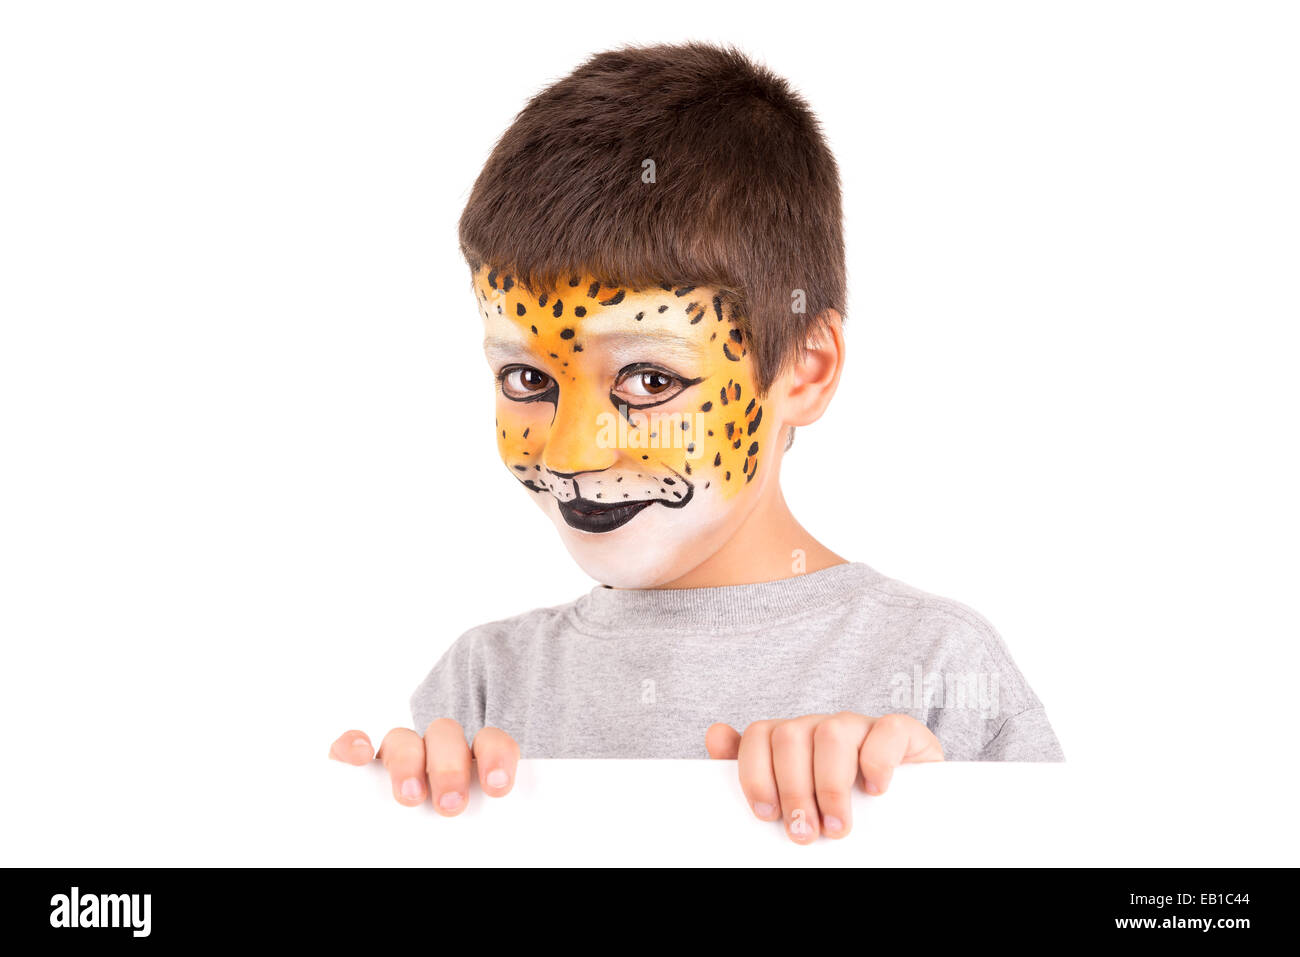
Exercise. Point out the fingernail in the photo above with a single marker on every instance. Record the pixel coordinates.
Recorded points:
(763, 809)
(497, 778)
(360, 743)
(833, 824)
(412, 789)
(871, 788)
(450, 801)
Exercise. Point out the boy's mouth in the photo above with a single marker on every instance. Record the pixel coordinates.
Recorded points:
(588, 516)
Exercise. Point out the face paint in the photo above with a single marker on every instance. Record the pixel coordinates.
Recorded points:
(631, 417)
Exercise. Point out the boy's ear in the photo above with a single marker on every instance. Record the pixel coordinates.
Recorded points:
(811, 379)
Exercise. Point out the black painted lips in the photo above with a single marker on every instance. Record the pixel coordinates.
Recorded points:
(589, 516)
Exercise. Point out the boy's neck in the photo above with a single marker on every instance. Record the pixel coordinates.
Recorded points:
(770, 545)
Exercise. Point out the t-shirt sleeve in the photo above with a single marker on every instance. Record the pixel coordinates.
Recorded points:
(452, 689)
(1000, 718)
(1027, 736)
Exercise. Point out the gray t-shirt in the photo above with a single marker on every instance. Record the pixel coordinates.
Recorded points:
(642, 673)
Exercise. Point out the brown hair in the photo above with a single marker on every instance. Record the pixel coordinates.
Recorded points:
(746, 194)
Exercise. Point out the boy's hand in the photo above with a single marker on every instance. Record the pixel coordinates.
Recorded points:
(437, 764)
(804, 768)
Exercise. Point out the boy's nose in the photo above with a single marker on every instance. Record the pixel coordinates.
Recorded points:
(574, 443)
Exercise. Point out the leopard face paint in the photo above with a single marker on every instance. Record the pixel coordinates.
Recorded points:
(629, 415)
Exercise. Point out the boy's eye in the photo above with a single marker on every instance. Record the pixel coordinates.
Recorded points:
(642, 385)
(524, 382)
(648, 383)
(635, 386)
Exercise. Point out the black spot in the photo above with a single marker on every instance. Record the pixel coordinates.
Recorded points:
(527, 430)
(717, 460)
(577, 347)
(507, 284)
(666, 286)
(519, 309)
(593, 291)
(566, 333)
(559, 308)
(521, 468)
(758, 417)
(640, 316)
(736, 444)
(731, 429)
(717, 306)
(686, 426)
(663, 308)
(722, 394)
(690, 448)
(684, 290)
(706, 407)
(580, 311)
(615, 299)
(669, 482)
(492, 279)
(737, 395)
(753, 448)
(736, 337)
(749, 408)
(688, 466)
(534, 328)
(727, 477)
(541, 301)
(726, 351)
(575, 280)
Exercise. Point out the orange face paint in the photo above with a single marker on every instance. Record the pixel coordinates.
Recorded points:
(629, 414)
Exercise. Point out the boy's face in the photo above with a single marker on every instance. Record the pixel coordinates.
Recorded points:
(631, 416)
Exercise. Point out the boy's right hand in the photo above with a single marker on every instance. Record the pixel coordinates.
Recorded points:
(437, 764)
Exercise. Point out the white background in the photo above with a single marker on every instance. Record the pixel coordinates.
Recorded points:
(250, 489)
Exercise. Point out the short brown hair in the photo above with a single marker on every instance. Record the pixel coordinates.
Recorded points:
(746, 194)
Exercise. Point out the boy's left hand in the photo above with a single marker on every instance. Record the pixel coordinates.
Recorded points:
(804, 768)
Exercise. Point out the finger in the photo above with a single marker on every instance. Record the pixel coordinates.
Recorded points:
(402, 752)
(836, 742)
(497, 755)
(893, 740)
(754, 764)
(447, 758)
(792, 751)
(352, 747)
(722, 741)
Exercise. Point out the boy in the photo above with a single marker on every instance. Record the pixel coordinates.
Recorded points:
(657, 256)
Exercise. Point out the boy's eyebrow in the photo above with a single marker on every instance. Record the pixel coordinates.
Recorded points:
(614, 340)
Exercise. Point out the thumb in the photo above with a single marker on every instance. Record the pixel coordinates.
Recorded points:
(722, 742)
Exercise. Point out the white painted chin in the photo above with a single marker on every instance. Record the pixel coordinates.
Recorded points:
(659, 545)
